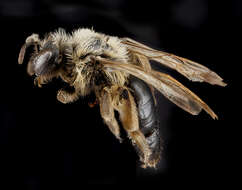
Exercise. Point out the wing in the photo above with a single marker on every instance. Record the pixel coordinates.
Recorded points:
(168, 86)
(188, 68)
(145, 64)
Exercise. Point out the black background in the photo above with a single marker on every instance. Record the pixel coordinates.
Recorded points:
(44, 142)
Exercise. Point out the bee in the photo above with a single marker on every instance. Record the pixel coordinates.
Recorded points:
(108, 66)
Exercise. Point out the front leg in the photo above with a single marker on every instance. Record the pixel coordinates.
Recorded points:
(67, 97)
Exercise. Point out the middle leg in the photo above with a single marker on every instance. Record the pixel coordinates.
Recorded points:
(107, 112)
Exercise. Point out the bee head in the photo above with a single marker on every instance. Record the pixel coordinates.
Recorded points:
(45, 61)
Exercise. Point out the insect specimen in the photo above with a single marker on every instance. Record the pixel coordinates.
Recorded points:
(109, 66)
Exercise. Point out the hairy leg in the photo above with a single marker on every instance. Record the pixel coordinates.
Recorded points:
(67, 97)
(107, 112)
(124, 103)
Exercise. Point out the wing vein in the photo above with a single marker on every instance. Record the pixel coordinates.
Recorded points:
(168, 86)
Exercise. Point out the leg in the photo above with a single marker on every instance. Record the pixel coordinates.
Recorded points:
(124, 103)
(67, 97)
(107, 112)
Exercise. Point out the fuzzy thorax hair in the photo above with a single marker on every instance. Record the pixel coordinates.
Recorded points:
(79, 47)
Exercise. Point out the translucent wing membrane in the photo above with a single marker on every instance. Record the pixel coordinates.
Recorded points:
(188, 68)
(168, 86)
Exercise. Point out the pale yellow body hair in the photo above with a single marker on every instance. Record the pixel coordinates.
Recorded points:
(90, 61)
(83, 38)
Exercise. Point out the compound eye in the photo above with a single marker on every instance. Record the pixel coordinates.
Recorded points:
(41, 62)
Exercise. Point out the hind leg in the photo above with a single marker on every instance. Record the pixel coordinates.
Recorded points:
(124, 103)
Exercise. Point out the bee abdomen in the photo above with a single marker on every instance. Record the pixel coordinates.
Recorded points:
(148, 119)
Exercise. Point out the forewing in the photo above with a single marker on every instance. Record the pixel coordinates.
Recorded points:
(168, 86)
(145, 64)
(188, 68)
